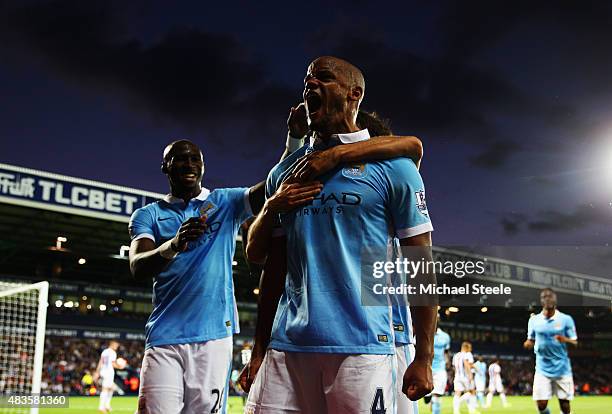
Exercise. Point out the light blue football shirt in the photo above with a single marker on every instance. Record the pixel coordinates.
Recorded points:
(360, 205)
(551, 355)
(442, 343)
(480, 372)
(193, 298)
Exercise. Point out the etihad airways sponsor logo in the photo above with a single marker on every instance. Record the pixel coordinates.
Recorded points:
(330, 203)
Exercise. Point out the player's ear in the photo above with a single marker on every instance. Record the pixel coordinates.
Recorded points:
(164, 167)
(356, 93)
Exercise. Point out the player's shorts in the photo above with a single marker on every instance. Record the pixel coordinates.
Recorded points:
(317, 383)
(440, 378)
(405, 356)
(463, 384)
(544, 387)
(107, 380)
(480, 385)
(496, 386)
(185, 378)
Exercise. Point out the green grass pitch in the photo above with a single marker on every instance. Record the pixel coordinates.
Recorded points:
(520, 405)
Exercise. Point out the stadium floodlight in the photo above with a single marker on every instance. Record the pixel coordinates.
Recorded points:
(256, 291)
(102, 308)
(234, 263)
(68, 304)
(453, 309)
(23, 314)
(59, 241)
(58, 303)
(484, 309)
(82, 261)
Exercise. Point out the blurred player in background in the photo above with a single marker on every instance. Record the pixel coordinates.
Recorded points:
(105, 371)
(480, 379)
(463, 363)
(442, 342)
(186, 243)
(312, 367)
(495, 384)
(547, 334)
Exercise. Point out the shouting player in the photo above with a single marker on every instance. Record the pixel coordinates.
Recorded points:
(547, 334)
(328, 353)
(106, 372)
(495, 384)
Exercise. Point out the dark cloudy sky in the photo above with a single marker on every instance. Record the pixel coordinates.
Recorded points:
(513, 100)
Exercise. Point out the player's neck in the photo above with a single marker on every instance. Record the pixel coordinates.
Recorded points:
(187, 194)
(343, 126)
(549, 312)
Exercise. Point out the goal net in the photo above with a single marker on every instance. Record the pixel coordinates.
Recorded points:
(23, 313)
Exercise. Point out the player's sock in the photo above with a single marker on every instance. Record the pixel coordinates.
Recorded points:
(481, 399)
(489, 399)
(435, 405)
(109, 396)
(503, 399)
(103, 398)
(472, 403)
(456, 404)
(545, 411)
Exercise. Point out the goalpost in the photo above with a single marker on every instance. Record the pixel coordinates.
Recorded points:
(23, 314)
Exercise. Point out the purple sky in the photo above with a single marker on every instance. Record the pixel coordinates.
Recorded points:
(512, 100)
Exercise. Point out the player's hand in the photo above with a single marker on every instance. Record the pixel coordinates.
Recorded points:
(418, 379)
(528, 344)
(315, 164)
(95, 377)
(291, 195)
(248, 373)
(562, 339)
(297, 121)
(192, 229)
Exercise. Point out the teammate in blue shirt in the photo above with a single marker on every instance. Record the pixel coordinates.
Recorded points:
(548, 333)
(442, 343)
(329, 353)
(480, 380)
(186, 243)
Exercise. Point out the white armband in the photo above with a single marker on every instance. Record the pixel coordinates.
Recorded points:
(167, 251)
(294, 144)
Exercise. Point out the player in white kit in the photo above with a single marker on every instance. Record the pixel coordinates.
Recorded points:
(495, 384)
(105, 371)
(463, 363)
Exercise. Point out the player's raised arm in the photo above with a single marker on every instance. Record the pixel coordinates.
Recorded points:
(147, 259)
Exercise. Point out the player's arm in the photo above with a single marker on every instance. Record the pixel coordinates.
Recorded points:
(96, 374)
(271, 286)
(317, 163)
(297, 127)
(467, 365)
(289, 196)
(148, 260)
(257, 196)
(530, 341)
(569, 335)
(418, 379)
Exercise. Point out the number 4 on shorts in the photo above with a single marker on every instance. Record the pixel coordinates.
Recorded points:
(378, 405)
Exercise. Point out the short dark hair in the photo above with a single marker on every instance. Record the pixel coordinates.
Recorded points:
(376, 125)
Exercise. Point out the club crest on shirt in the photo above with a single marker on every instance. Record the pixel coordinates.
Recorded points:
(558, 325)
(207, 208)
(354, 171)
(420, 202)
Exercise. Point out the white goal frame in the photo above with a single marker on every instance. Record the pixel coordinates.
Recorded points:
(41, 321)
